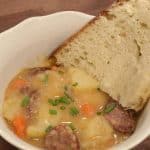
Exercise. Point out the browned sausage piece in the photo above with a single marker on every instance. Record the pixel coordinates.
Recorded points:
(62, 138)
(34, 96)
(121, 119)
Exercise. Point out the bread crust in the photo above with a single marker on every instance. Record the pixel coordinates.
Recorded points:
(71, 38)
(134, 96)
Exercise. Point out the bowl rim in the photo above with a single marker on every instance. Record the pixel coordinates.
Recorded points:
(56, 14)
(22, 24)
(4, 134)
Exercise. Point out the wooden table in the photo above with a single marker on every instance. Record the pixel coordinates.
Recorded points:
(14, 11)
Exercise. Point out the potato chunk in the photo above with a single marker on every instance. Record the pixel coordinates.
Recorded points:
(11, 108)
(44, 119)
(95, 132)
(83, 80)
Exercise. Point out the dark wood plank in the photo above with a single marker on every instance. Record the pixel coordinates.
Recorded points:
(14, 11)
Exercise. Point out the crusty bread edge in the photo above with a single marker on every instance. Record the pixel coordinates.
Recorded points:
(71, 38)
(75, 35)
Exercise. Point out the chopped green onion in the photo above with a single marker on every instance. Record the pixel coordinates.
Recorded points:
(60, 100)
(25, 102)
(60, 72)
(45, 79)
(66, 93)
(75, 84)
(72, 126)
(99, 113)
(62, 107)
(64, 100)
(53, 112)
(53, 102)
(68, 96)
(74, 111)
(48, 129)
(110, 107)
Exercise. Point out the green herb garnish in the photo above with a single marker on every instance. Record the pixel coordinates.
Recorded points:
(53, 112)
(60, 100)
(68, 96)
(74, 111)
(109, 108)
(60, 72)
(54, 102)
(66, 93)
(72, 126)
(64, 100)
(99, 113)
(62, 107)
(48, 129)
(75, 84)
(25, 102)
(45, 79)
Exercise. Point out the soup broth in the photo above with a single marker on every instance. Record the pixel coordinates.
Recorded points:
(39, 99)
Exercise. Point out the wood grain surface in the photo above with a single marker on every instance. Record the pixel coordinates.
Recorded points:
(14, 11)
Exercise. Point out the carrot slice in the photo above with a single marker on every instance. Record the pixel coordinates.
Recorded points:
(87, 109)
(19, 83)
(19, 124)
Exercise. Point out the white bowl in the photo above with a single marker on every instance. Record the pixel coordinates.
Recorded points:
(21, 47)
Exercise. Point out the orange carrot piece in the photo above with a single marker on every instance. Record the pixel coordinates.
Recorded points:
(19, 83)
(19, 124)
(87, 109)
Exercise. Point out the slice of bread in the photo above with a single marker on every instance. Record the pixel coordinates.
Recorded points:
(115, 49)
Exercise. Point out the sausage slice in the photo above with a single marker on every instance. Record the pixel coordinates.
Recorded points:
(121, 120)
(31, 109)
(62, 138)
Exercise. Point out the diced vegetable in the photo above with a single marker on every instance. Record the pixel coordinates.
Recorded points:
(62, 107)
(64, 100)
(18, 83)
(84, 80)
(25, 102)
(36, 131)
(96, 127)
(60, 72)
(19, 124)
(48, 129)
(60, 100)
(109, 107)
(53, 102)
(67, 93)
(99, 113)
(44, 119)
(74, 111)
(87, 109)
(75, 84)
(72, 126)
(11, 108)
(53, 112)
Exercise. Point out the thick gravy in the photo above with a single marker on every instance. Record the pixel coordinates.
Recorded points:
(39, 99)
